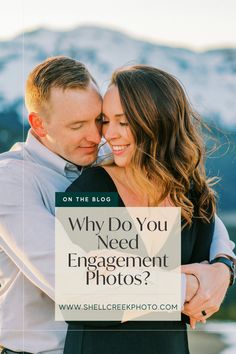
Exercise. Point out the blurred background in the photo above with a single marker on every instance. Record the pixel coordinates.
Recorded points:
(194, 41)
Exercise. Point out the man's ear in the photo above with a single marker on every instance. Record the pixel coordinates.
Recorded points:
(37, 124)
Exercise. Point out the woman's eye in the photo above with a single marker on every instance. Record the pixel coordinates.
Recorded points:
(124, 124)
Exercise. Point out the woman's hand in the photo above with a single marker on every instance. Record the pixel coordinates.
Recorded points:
(192, 286)
(213, 284)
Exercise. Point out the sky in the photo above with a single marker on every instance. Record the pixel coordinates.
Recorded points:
(199, 25)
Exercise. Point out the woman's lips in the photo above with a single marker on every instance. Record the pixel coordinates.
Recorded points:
(119, 149)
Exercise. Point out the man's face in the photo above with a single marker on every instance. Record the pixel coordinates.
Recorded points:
(73, 124)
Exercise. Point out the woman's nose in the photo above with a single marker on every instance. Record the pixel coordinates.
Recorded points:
(110, 131)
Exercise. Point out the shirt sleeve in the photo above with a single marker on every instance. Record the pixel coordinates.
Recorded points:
(221, 244)
(27, 227)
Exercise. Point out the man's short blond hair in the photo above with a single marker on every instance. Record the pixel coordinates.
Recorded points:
(61, 72)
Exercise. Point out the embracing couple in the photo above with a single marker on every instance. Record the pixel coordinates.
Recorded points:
(153, 137)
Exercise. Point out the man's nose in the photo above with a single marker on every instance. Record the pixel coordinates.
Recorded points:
(94, 134)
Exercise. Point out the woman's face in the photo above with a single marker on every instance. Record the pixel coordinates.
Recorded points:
(116, 128)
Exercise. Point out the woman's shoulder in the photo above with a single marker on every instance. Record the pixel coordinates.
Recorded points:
(92, 179)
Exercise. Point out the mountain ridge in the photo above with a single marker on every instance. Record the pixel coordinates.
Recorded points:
(209, 77)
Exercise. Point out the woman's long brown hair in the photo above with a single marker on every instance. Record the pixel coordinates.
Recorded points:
(170, 153)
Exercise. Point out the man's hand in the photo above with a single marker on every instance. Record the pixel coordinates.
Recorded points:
(214, 282)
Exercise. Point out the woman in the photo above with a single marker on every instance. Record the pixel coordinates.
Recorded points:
(158, 161)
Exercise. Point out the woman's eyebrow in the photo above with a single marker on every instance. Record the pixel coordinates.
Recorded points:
(119, 115)
(116, 115)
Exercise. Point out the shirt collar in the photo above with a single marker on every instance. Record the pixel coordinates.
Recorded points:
(40, 153)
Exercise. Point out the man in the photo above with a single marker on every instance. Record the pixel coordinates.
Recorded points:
(64, 107)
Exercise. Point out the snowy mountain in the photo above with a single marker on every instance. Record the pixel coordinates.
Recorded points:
(209, 77)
